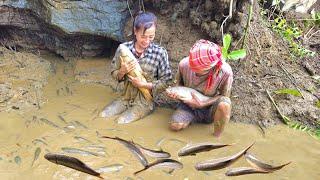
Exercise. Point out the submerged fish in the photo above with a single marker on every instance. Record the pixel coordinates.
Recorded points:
(253, 161)
(79, 124)
(192, 149)
(244, 170)
(71, 162)
(36, 155)
(133, 148)
(184, 93)
(162, 163)
(82, 139)
(50, 123)
(153, 153)
(62, 119)
(220, 162)
(36, 141)
(17, 159)
(79, 151)
(110, 168)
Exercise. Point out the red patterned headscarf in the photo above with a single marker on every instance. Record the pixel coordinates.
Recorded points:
(203, 56)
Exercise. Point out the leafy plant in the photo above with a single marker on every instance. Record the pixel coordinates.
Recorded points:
(315, 133)
(233, 55)
(293, 92)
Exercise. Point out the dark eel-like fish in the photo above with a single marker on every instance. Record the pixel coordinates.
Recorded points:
(71, 162)
(133, 148)
(167, 163)
(220, 163)
(253, 161)
(192, 149)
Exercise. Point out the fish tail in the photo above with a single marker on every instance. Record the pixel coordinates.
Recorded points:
(137, 172)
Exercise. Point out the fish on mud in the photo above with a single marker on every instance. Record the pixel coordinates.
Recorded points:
(80, 151)
(162, 163)
(71, 162)
(50, 123)
(253, 161)
(133, 148)
(110, 168)
(184, 93)
(153, 153)
(244, 170)
(36, 155)
(220, 163)
(192, 149)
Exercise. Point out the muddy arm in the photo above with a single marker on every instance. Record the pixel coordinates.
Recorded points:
(115, 66)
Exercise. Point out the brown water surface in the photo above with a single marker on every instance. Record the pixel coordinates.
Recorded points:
(22, 133)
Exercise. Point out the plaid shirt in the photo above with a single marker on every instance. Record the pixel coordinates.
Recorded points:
(154, 63)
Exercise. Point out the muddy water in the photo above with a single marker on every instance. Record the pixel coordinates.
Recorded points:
(22, 134)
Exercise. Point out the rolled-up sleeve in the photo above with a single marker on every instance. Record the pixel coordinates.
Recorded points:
(164, 74)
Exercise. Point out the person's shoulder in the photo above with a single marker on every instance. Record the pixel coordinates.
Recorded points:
(158, 48)
(184, 62)
(226, 68)
(128, 43)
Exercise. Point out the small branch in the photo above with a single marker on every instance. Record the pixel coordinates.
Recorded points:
(130, 10)
(275, 105)
(248, 24)
(290, 78)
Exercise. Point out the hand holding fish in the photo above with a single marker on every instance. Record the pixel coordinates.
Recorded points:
(194, 102)
(127, 67)
(171, 94)
(137, 82)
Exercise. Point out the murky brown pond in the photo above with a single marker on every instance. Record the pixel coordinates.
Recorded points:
(21, 135)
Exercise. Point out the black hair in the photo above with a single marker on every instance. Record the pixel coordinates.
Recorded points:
(143, 20)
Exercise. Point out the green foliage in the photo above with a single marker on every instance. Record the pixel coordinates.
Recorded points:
(291, 33)
(315, 133)
(318, 104)
(293, 92)
(233, 55)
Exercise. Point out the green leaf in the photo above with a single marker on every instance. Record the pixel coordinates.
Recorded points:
(224, 53)
(318, 104)
(237, 54)
(293, 92)
(226, 41)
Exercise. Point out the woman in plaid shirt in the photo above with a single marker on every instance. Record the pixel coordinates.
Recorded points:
(153, 60)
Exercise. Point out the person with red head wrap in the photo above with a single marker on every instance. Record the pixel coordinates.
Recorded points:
(205, 71)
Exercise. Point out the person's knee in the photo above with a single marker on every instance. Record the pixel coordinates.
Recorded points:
(224, 107)
(177, 126)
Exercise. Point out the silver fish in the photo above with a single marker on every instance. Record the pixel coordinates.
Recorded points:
(62, 119)
(153, 153)
(80, 151)
(220, 162)
(192, 149)
(184, 93)
(133, 148)
(253, 161)
(162, 163)
(110, 168)
(244, 170)
(71, 162)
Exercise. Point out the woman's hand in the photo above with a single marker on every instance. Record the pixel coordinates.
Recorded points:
(127, 67)
(194, 102)
(136, 82)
